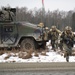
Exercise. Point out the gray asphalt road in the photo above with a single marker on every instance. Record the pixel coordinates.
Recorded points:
(39, 73)
(37, 66)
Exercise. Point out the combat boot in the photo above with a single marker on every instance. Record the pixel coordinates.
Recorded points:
(67, 60)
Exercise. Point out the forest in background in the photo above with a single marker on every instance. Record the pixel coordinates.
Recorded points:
(56, 17)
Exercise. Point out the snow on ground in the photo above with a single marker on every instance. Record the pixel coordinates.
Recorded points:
(51, 56)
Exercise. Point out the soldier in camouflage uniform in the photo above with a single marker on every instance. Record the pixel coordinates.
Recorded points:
(45, 36)
(11, 15)
(53, 36)
(61, 43)
(41, 25)
(7, 14)
(67, 37)
(46, 31)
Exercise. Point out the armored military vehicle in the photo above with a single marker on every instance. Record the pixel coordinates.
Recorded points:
(25, 35)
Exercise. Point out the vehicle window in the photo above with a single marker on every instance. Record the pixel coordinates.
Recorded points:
(8, 28)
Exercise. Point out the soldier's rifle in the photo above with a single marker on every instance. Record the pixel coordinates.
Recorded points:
(69, 41)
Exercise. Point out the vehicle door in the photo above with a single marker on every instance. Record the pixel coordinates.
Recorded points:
(9, 34)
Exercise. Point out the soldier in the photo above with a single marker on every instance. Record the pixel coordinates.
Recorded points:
(11, 14)
(54, 35)
(61, 43)
(67, 37)
(5, 15)
(45, 36)
(46, 31)
(41, 25)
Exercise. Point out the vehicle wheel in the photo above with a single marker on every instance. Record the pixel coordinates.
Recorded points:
(27, 44)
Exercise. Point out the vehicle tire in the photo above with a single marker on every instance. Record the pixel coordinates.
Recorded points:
(27, 44)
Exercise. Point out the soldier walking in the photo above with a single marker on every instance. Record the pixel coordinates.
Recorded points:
(46, 31)
(67, 37)
(53, 36)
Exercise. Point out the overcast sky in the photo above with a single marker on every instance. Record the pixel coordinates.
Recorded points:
(65, 5)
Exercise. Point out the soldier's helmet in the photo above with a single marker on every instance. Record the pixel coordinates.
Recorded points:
(68, 28)
(41, 25)
(46, 28)
(53, 27)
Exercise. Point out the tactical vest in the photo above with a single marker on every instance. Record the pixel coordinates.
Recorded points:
(68, 38)
(68, 35)
(54, 35)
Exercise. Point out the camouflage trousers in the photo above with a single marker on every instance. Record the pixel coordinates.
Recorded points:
(68, 49)
(54, 44)
(61, 45)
